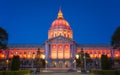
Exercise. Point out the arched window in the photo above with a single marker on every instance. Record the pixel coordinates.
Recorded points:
(68, 36)
(64, 35)
(60, 34)
(55, 34)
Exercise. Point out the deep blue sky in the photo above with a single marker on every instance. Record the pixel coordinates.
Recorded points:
(28, 21)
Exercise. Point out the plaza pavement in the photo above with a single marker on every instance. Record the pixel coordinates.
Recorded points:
(59, 72)
(66, 73)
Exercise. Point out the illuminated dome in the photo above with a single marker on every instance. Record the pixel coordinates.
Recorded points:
(60, 27)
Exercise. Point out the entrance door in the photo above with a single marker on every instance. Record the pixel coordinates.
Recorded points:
(66, 64)
(54, 64)
(60, 64)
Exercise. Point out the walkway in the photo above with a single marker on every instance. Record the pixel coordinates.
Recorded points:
(66, 73)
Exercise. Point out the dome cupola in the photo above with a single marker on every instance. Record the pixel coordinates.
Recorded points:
(60, 27)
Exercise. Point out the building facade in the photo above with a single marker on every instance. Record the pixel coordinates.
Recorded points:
(59, 50)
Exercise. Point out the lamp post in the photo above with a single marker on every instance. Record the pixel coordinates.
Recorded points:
(7, 59)
(7, 62)
(43, 61)
(46, 62)
(83, 57)
(84, 62)
(38, 60)
(77, 56)
(76, 60)
(43, 56)
(33, 62)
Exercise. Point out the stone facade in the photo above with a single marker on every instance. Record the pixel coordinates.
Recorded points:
(60, 49)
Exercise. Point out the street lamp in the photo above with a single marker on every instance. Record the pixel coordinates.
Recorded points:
(76, 60)
(33, 61)
(84, 62)
(7, 62)
(43, 56)
(77, 56)
(46, 62)
(42, 60)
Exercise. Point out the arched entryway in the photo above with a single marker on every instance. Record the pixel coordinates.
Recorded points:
(54, 64)
(67, 64)
(60, 64)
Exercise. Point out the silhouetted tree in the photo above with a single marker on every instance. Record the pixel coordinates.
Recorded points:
(105, 64)
(115, 42)
(80, 61)
(88, 59)
(3, 38)
(15, 65)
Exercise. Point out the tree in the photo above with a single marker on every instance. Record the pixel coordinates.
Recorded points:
(15, 65)
(83, 58)
(105, 65)
(3, 38)
(88, 59)
(80, 59)
(115, 41)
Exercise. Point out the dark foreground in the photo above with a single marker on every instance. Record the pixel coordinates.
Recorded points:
(65, 73)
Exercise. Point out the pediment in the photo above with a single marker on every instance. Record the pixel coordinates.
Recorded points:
(60, 38)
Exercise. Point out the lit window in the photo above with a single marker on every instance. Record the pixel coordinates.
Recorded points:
(16, 53)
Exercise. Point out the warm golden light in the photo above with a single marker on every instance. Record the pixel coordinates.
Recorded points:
(33, 57)
(66, 52)
(46, 61)
(7, 61)
(16, 53)
(116, 55)
(2, 56)
(60, 15)
(28, 56)
(53, 52)
(74, 61)
(77, 56)
(43, 56)
(60, 52)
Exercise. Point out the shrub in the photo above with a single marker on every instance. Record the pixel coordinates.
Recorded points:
(16, 73)
(15, 65)
(104, 72)
(105, 64)
(109, 72)
(97, 71)
(8, 73)
(118, 71)
(25, 71)
(20, 72)
(1, 72)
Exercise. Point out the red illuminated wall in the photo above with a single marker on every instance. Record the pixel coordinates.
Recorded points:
(57, 51)
(22, 52)
(97, 52)
(53, 52)
(66, 51)
(60, 51)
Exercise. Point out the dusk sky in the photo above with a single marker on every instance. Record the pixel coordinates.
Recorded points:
(28, 21)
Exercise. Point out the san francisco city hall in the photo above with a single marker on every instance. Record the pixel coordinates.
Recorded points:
(59, 50)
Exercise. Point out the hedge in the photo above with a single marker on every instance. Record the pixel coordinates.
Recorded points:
(1, 72)
(20, 72)
(97, 72)
(8, 73)
(118, 71)
(105, 72)
(109, 72)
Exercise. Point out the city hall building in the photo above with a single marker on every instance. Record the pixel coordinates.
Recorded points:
(59, 50)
